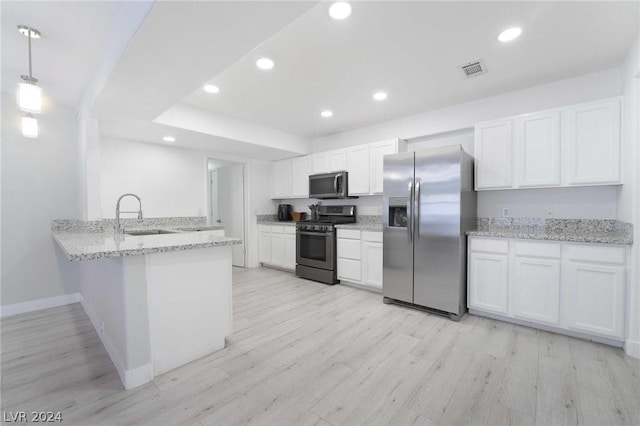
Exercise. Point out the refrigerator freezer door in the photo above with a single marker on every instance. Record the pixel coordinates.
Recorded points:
(397, 238)
(437, 247)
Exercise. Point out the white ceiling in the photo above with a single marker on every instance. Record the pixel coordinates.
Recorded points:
(412, 50)
(64, 59)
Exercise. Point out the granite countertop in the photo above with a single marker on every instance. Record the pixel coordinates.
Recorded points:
(94, 240)
(573, 230)
(362, 226)
(277, 223)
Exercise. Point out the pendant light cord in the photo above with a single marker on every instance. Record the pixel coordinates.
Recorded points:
(30, 76)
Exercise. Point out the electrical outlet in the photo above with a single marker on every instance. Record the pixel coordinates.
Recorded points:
(506, 212)
(101, 327)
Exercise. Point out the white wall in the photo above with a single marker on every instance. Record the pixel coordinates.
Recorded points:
(258, 187)
(39, 184)
(171, 181)
(629, 195)
(574, 90)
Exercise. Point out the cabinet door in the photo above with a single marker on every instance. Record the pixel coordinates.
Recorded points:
(594, 300)
(535, 288)
(338, 160)
(290, 251)
(301, 167)
(378, 151)
(372, 264)
(281, 178)
(320, 163)
(264, 244)
(278, 249)
(358, 167)
(493, 155)
(538, 149)
(488, 282)
(593, 142)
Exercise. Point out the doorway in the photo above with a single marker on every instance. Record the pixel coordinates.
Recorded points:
(227, 198)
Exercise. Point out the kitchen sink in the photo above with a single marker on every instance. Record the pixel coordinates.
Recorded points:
(151, 232)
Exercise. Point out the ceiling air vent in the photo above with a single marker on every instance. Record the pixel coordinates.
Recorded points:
(473, 69)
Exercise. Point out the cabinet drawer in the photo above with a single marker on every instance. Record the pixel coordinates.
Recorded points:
(599, 254)
(264, 228)
(277, 229)
(548, 250)
(289, 229)
(375, 237)
(349, 233)
(349, 249)
(489, 246)
(350, 269)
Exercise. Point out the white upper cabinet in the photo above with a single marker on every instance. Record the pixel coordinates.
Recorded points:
(301, 167)
(378, 151)
(337, 160)
(281, 179)
(578, 145)
(330, 161)
(494, 159)
(358, 165)
(593, 142)
(290, 178)
(320, 163)
(538, 149)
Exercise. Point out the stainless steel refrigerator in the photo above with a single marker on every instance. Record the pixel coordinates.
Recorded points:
(429, 204)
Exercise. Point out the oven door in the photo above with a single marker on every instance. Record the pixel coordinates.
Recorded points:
(316, 249)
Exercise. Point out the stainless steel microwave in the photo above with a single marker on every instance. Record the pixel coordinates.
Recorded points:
(329, 185)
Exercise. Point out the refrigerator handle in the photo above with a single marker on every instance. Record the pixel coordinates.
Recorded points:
(410, 211)
(416, 211)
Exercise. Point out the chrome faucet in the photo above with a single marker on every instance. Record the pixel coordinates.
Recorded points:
(117, 227)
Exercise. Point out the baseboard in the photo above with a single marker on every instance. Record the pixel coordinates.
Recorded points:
(632, 348)
(585, 336)
(129, 378)
(39, 304)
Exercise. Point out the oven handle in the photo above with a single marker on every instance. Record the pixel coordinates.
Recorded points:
(335, 183)
(314, 233)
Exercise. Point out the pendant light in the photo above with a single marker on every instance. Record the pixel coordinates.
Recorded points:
(29, 95)
(29, 126)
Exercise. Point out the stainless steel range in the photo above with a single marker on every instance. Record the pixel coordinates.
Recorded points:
(316, 243)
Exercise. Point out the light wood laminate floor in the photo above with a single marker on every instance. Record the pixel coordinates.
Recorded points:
(304, 353)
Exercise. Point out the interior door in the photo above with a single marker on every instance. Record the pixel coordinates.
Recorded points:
(231, 207)
(437, 229)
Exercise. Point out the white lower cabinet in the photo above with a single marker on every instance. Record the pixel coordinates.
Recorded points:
(488, 275)
(372, 259)
(264, 244)
(360, 257)
(277, 246)
(290, 248)
(535, 282)
(566, 286)
(595, 290)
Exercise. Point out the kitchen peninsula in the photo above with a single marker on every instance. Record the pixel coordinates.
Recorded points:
(157, 301)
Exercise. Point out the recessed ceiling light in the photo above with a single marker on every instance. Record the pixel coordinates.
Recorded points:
(210, 88)
(264, 63)
(326, 113)
(509, 34)
(169, 139)
(340, 10)
(380, 96)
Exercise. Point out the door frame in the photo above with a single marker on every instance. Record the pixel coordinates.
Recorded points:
(245, 197)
